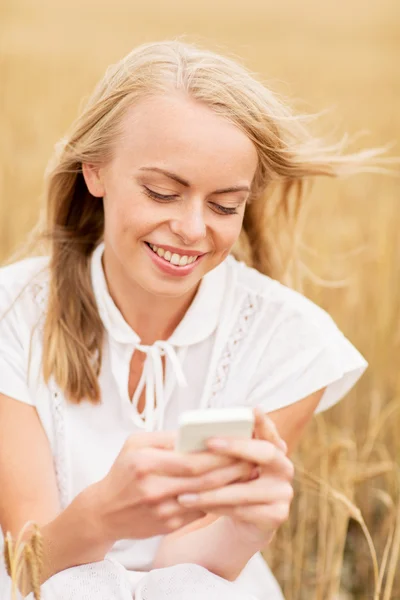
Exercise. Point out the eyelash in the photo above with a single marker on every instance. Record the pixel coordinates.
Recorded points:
(161, 198)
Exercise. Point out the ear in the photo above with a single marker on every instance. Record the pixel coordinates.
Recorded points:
(91, 175)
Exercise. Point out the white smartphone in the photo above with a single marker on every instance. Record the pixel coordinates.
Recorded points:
(197, 426)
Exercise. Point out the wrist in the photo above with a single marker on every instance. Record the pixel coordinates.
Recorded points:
(91, 504)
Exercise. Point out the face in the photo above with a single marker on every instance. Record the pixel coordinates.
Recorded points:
(174, 194)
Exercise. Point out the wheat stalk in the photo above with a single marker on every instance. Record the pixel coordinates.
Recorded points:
(24, 560)
(394, 558)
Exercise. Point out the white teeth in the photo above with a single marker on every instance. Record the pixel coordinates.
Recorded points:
(174, 259)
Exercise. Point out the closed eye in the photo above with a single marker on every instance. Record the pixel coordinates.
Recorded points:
(224, 209)
(157, 196)
(165, 198)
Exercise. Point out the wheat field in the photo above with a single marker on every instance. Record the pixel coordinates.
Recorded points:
(343, 538)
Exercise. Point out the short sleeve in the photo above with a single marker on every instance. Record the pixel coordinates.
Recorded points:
(305, 353)
(13, 350)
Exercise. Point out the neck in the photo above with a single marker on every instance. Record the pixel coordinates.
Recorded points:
(151, 317)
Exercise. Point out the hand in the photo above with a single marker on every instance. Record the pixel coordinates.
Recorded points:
(256, 508)
(265, 429)
(138, 497)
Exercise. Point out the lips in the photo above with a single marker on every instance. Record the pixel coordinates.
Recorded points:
(179, 260)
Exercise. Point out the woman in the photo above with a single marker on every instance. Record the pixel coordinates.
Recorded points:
(138, 311)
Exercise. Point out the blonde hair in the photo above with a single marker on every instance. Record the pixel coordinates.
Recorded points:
(289, 156)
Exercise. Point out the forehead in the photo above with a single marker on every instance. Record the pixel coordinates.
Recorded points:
(181, 133)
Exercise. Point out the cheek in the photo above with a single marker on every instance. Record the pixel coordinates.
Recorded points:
(114, 215)
(228, 233)
(120, 201)
(124, 213)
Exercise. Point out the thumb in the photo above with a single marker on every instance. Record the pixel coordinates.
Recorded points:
(265, 429)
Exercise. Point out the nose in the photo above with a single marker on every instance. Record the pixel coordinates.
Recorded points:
(190, 223)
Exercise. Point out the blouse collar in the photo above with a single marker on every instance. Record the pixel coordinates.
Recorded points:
(199, 322)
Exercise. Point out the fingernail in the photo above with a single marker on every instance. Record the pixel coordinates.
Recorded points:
(217, 443)
(188, 498)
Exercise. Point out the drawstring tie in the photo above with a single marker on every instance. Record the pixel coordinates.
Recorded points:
(152, 379)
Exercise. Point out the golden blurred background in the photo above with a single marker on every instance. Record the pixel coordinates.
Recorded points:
(335, 55)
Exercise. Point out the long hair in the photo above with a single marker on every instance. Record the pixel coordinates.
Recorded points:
(288, 157)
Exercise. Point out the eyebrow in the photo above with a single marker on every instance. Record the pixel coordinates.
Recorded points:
(235, 188)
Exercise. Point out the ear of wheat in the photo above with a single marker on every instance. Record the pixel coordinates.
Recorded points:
(24, 561)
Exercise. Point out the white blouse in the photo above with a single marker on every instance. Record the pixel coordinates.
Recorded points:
(245, 340)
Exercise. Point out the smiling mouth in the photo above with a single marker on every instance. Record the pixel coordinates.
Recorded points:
(175, 259)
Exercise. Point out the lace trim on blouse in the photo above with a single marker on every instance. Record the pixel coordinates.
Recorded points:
(39, 291)
(249, 309)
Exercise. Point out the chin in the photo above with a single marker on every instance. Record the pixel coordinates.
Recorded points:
(168, 289)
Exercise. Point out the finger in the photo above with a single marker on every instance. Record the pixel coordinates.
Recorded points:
(178, 521)
(160, 487)
(170, 507)
(197, 463)
(257, 422)
(256, 451)
(165, 462)
(259, 491)
(264, 516)
(254, 473)
(266, 430)
(239, 471)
